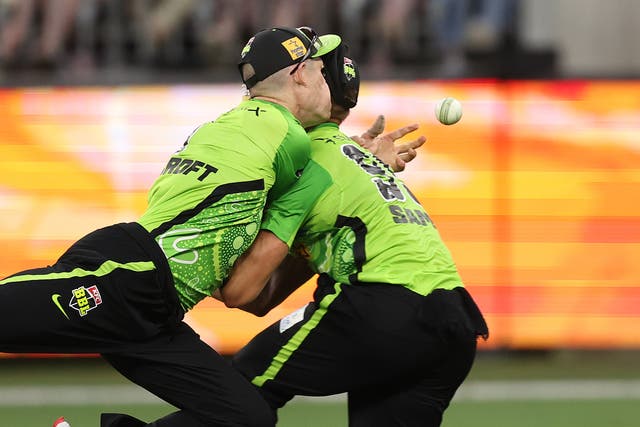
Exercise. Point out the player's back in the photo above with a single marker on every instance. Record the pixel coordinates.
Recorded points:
(205, 208)
(367, 226)
(257, 141)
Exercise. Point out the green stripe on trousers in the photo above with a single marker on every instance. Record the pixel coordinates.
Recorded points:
(106, 268)
(296, 340)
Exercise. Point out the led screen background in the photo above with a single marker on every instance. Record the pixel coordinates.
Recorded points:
(536, 191)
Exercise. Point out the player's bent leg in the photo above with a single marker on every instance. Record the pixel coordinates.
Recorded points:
(423, 401)
(306, 353)
(190, 375)
(254, 359)
(392, 408)
(420, 404)
(334, 344)
(105, 292)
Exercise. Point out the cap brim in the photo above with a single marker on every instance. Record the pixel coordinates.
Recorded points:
(328, 43)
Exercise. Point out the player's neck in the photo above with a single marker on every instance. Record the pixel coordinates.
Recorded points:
(277, 100)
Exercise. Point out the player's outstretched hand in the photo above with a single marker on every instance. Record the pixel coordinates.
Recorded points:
(406, 151)
(384, 147)
(398, 155)
(367, 139)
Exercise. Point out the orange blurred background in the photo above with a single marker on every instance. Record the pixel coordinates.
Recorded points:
(536, 191)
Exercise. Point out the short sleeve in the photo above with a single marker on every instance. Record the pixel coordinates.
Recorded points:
(287, 213)
(290, 159)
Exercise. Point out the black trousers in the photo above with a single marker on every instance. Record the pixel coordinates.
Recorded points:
(399, 355)
(112, 293)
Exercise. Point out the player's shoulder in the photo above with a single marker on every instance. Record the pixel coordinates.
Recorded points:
(254, 119)
(328, 135)
(264, 113)
(269, 120)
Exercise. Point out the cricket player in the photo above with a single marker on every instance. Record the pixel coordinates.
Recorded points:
(391, 322)
(122, 290)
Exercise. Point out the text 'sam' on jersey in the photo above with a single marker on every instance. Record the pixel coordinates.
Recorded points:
(205, 208)
(356, 221)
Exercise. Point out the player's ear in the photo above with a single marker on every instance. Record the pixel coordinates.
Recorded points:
(300, 74)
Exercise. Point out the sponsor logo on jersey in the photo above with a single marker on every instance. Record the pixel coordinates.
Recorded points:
(177, 165)
(382, 175)
(402, 215)
(85, 299)
(256, 110)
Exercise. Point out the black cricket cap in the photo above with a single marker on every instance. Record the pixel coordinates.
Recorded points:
(276, 48)
(343, 76)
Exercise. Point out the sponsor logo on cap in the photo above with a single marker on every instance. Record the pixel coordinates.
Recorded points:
(246, 48)
(349, 70)
(295, 47)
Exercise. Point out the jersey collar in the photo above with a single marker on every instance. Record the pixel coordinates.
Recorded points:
(324, 125)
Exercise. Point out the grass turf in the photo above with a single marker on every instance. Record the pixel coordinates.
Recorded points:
(305, 413)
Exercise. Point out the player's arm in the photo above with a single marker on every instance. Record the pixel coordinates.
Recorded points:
(280, 224)
(264, 276)
(292, 273)
(252, 271)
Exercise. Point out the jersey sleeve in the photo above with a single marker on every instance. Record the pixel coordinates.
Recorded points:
(287, 213)
(290, 159)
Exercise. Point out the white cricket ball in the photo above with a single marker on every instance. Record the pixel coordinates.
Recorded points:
(448, 111)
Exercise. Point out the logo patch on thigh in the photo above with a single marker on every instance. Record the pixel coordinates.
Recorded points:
(85, 299)
(291, 319)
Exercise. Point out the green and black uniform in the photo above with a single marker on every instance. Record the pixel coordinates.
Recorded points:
(391, 323)
(205, 209)
(122, 290)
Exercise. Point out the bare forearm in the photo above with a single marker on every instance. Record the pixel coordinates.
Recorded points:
(252, 271)
(292, 273)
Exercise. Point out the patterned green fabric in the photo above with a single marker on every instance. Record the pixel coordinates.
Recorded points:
(365, 225)
(205, 208)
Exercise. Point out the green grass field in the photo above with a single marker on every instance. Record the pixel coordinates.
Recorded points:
(558, 389)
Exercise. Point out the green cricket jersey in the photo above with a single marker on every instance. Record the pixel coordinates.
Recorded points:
(205, 208)
(357, 221)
